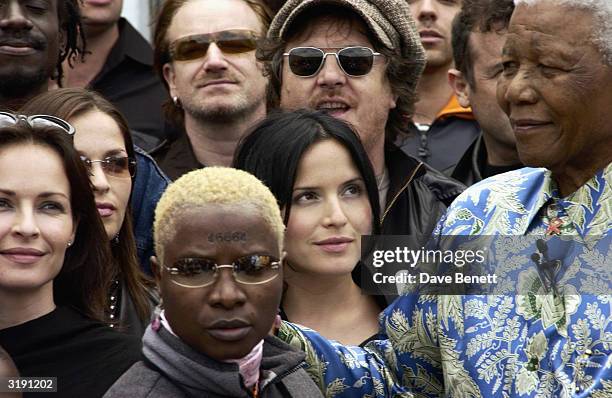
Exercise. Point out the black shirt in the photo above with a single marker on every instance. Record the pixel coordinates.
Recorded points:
(175, 157)
(87, 357)
(128, 80)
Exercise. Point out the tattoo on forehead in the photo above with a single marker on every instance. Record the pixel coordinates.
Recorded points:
(227, 236)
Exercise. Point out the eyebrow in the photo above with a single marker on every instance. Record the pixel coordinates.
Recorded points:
(41, 195)
(356, 179)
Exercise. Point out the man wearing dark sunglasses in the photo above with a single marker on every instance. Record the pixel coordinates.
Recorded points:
(360, 60)
(205, 51)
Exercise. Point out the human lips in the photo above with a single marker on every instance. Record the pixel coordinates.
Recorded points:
(229, 330)
(17, 48)
(22, 255)
(105, 209)
(218, 83)
(335, 107)
(521, 126)
(335, 244)
(430, 36)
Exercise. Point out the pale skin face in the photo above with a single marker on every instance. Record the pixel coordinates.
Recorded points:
(101, 13)
(195, 314)
(485, 49)
(350, 97)
(219, 85)
(98, 137)
(329, 213)
(434, 20)
(36, 221)
(555, 88)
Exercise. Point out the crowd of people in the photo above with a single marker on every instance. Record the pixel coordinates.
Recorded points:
(268, 138)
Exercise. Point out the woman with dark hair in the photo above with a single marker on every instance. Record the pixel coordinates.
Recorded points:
(103, 141)
(320, 174)
(54, 271)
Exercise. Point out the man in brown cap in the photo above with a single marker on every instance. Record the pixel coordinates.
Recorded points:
(360, 61)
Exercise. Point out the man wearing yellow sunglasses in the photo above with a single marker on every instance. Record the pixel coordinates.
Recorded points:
(205, 50)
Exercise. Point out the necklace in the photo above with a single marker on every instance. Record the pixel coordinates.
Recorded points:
(113, 300)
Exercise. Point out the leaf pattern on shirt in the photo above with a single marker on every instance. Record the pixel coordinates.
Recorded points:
(530, 345)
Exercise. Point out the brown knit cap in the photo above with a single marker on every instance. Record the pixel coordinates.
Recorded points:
(389, 20)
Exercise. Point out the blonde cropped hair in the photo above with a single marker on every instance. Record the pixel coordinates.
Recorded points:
(214, 185)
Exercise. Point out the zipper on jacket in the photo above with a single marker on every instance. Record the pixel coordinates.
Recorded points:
(382, 219)
(281, 377)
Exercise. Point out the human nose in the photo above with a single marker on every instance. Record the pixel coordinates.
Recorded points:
(25, 223)
(214, 60)
(98, 178)
(427, 10)
(14, 17)
(331, 75)
(226, 292)
(334, 214)
(519, 90)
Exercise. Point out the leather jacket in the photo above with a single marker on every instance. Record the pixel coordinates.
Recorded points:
(418, 196)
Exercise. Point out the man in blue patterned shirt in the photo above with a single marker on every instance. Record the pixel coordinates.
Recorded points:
(555, 88)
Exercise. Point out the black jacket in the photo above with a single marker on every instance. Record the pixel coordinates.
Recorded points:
(418, 196)
(473, 167)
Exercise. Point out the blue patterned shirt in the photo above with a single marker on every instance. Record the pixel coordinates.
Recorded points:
(528, 345)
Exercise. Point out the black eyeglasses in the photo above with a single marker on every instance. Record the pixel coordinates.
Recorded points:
(308, 61)
(229, 41)
(199, 272)
(116, 166)
(9, 119)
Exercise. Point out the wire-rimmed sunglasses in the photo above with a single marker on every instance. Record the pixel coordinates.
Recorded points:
(116, 166)
(195, 272)
(234, 41)
(354, 61)
(8, 119)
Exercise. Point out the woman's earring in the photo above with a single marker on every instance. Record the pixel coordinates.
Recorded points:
(176, 101)
(69, 243)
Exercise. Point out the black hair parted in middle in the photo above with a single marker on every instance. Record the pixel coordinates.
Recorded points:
(274, 148)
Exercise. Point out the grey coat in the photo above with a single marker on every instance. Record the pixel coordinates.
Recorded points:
(282, 371)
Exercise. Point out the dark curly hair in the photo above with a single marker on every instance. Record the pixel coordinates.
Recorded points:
(477, 16)
(69, 16)
(399, 68)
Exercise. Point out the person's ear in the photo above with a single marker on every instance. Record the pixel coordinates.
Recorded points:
(169, 77)
(460, 86)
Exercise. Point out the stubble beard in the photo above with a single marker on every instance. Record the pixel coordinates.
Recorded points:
(23, 85)
(223, 112)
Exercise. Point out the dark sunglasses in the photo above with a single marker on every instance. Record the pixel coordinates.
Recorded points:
(116, 166)
(308, 61)
(197, 272)
(229, 41)
(36, 121)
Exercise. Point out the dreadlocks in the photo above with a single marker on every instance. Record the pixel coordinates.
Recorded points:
(69, 15)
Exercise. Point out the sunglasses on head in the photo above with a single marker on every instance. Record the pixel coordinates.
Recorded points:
(116, 166)
(308, 61)
(229, 41)
(36, 121)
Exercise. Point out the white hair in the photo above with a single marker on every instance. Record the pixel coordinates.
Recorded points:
(602, 15)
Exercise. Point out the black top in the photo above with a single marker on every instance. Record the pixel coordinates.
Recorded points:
(473, 166)
(128, 80)
(175, 156)
(85, 356)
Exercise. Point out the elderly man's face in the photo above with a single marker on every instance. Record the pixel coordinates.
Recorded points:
(555, 88)
(363, 101)
(29, 45)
